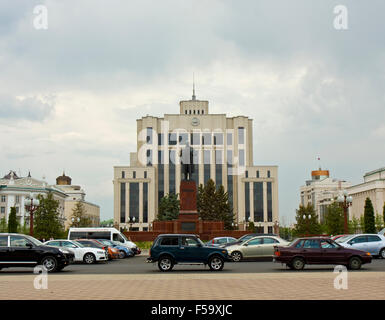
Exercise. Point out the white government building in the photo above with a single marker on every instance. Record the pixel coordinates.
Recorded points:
(223, 151)
(14, 190)
(321, 191)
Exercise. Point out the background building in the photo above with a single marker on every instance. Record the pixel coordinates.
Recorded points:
(14, 190)
(76, 194)
(223, 151)
(321, 191)
(373, 187)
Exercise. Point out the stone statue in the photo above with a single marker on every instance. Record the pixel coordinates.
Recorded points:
(187, 157)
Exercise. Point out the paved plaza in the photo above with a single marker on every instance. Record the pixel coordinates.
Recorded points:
(195, 286)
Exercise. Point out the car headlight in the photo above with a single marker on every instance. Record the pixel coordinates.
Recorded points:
(64, 251)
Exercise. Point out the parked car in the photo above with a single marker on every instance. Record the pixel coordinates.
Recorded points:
(18, 250)
(373, 243)
(247, 237)
(124, 252)
(220, 241)
(93, 244)
(257, 247)
(319, 250)
(81, 253)
(113, 253)
(171, 249)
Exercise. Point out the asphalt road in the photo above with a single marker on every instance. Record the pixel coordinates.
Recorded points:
(137, 265)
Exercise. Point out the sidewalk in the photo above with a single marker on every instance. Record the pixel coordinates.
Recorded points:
(194, 286)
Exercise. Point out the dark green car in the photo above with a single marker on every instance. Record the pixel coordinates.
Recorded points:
(171, 249)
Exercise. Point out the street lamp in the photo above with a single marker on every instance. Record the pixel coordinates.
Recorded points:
(31, 205)
(77, 220)
(345, 202)
(132, 221)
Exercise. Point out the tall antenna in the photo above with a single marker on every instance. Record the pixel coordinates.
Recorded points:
(319, 162)
(193, 96)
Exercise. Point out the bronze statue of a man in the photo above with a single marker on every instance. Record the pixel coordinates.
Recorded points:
(187, 157)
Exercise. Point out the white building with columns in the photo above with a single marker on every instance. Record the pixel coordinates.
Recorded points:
(223, 152)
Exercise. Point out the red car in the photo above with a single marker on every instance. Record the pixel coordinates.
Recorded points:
(318, 250)
(338, 236)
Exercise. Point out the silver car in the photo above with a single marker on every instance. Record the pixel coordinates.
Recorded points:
(373, 243)
(220, 241)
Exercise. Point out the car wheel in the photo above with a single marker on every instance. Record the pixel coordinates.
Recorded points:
(382, 253)
(165, 263)
(216, 263)
(122, 254)
(236, 256)
(49, 263)
(355, 263)
(89, 258)
(298, 264)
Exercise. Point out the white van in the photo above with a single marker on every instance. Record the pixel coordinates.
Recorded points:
(100, 233)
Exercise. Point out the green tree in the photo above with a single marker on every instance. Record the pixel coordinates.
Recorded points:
(362, 223)
(286, 233)
(251, 226)
(213, 204)
(334, 219)
(12, 221)
(306, 225)
(169, 207)
(369, 218)
(106, 223)
(47, 223)
(379, 222)
(80, 216)
(354, 225)
(3, 225)
(23, 228)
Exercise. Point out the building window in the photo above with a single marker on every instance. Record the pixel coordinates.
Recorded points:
(206, 165)
(195, 139)
(229, 139)
(172, 139)
(17, 210)
(122, 202)
(17, 199)
(189, 111)
(194, 111)
(145, 202)
(171, 180)
(198, 111)
(203, 111)
(134, 201)
(2, 210)
(149, 157)
(246, 174)
(270, 229)
(241, 135)
(183, 138)
(230, 175)
(268, 173)
(160, 139)
(145, 174)
(218, 139)
(247, 201)
(149, 135)
(185, 112)
(257, 173)
(218, 168)
(241, 158)
(269, 203)
(206, 139)
(3, 198)
(134, 174)
(123, 174)
(258, 201)
(160, 175)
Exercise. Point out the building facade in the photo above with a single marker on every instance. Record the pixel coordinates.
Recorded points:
(373, 187)
(321, 191)
(76, 194)
(222, 151)
(14, 190)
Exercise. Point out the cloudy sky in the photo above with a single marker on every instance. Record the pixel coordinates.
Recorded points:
(69, 95)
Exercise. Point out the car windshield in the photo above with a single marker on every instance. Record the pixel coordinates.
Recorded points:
(200, 241)
(34, 241)
(78, 244)
(344, 238)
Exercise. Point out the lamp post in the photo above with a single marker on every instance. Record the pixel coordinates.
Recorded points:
(307, 218)
(345, 202)
(73, 219)
(132, 221)
(31, 206)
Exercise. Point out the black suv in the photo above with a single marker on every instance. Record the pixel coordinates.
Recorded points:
(19, 250)
(171, 249)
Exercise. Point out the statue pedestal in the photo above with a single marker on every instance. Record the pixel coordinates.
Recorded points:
(188, 214)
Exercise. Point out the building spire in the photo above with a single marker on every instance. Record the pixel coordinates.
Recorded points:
(193, 96)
